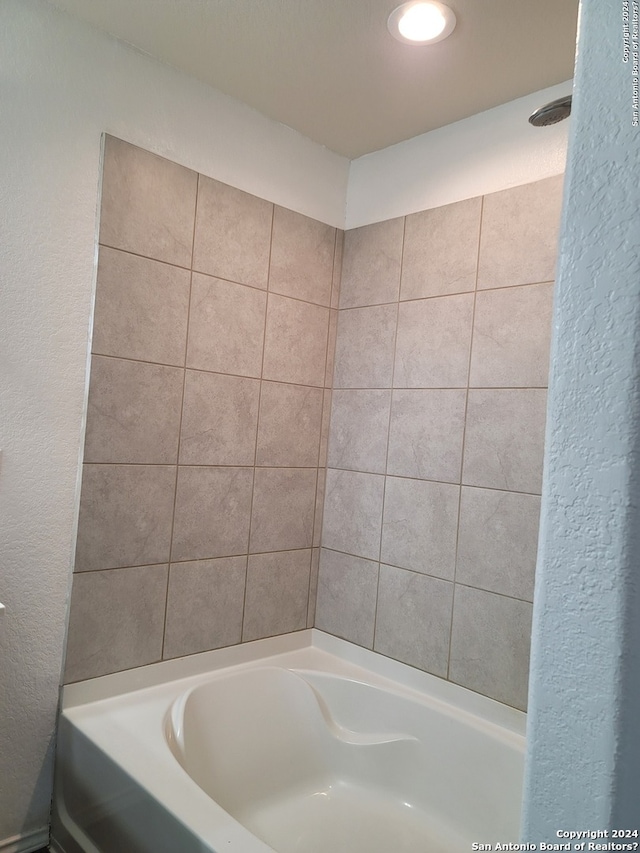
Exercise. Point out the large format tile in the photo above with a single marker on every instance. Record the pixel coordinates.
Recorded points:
(204, 605)
(116, 621)
(277, 594)
(498, 541)
(364, 347)
(133, 413)
(504, 439)
(302, 251)
(283, 508)
(353, 512)
(125, 515)
(512, 337)
(519, 238)
(441, 250)
(359, 430)
(213, 506)
(413, 619)
(420, 525)
(371, 264)
(219, 419)
(425, 439)
(490, 639)
(434, 336)
(233, 234)
(290, 423)
(141, 309)
(346, 599)
(295, 347)
(148, 204)
(226, 327)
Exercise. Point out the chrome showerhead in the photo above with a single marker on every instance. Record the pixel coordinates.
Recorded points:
(551, 113)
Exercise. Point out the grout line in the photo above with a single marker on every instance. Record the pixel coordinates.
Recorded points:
(184, 385)
(453, 602)
(216, 277)
(255, 453)
(387, 563)
(322, 463)
(192, 560)
(204, 370)
(138, 360)
(306, 618)
(333, 309)
(245, 466)
(446, 295)
(330, 468)
(418, 573)
(138, 666)
(322, 466)
(297, 550)
(386, 460)
(309, 591)
(231, 281)
(325, 421)
(493, 592)
(325, 387)
(288, 296)
(323, 459)
(464, 428)
(318, 515)
(444, 388)
(146, 257)
(439, 482)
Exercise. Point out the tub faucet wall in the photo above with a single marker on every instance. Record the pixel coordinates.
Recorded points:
(436, 438)
(207, 418)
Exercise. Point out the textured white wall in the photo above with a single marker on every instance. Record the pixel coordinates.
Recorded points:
(63, 84)
(488, 152)
(583, 765)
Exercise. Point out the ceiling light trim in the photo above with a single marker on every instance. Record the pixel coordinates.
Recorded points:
(447, 15)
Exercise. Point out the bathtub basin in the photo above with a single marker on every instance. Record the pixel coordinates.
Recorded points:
(298, 744)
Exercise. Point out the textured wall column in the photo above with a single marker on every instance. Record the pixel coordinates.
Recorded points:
(583, 764)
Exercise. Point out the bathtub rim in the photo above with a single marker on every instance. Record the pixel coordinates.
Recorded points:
(127, 699)
(310, 642)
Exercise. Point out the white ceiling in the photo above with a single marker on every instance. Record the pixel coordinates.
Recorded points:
(330, 69)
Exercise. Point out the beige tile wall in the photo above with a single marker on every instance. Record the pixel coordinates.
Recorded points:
(207, 423)
(436, 440)
(217, 341)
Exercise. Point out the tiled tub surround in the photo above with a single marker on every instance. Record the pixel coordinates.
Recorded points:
(436, 439)
(207, 419)
(208, 423)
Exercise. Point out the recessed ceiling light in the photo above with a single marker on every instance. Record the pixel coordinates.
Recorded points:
(421, 22)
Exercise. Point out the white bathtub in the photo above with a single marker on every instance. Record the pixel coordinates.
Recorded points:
(297, 744)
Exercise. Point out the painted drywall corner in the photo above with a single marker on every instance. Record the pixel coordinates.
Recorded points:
(491, 151)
